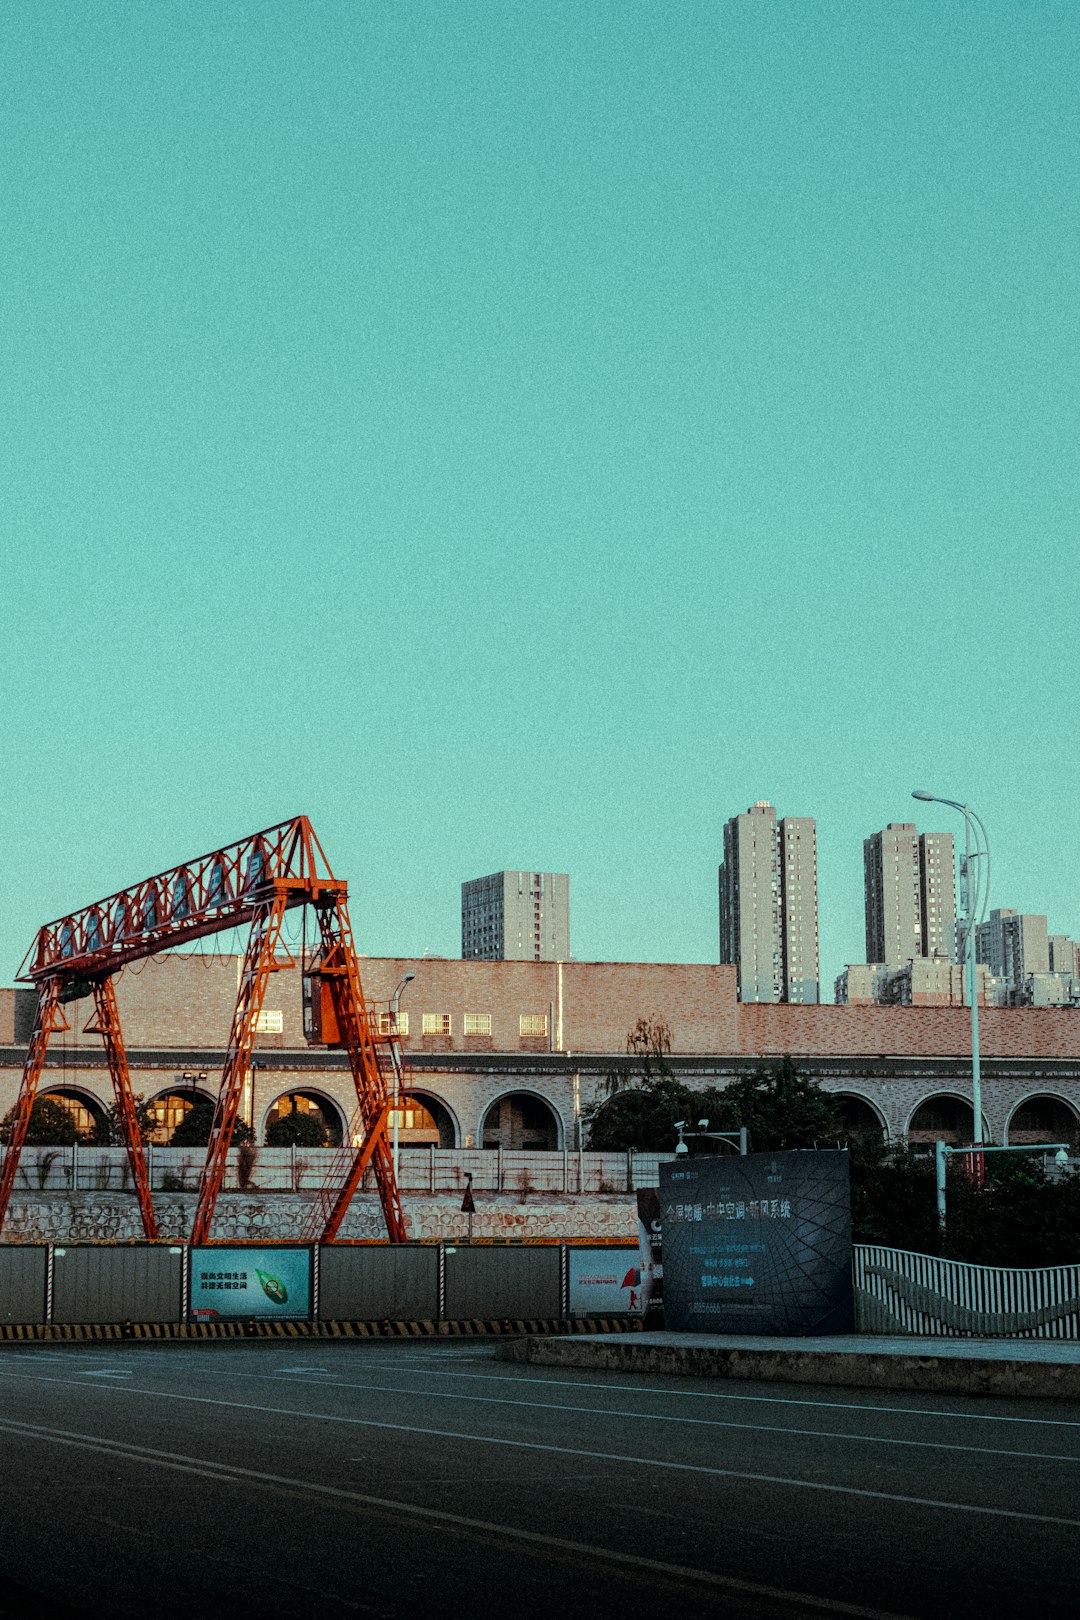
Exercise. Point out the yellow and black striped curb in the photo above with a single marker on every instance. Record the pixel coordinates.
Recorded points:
(92, 1332)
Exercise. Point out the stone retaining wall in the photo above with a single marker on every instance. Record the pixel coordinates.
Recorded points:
(95, 1217)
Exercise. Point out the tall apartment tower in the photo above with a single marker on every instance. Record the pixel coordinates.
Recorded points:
(910, 893)
(1013, 944)
(516, 917)
(769, 906)
(1064, 955)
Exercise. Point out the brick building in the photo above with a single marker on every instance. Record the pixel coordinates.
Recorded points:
(512, 1053)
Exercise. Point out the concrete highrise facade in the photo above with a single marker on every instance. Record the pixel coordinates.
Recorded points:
(1064, 956)
(910, 894)
(769, 905)
(1014, 945)
(516, 917)
(937, 894)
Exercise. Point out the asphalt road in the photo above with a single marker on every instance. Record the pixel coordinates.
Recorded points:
(419, 1478)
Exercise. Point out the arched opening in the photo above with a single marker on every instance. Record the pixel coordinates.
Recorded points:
(521, 1120)
(304, 1111)
(857, 1119)
(170, 1109)
(424, 1121)
(943, 1118)
(1044, 1119)
(87, 1111)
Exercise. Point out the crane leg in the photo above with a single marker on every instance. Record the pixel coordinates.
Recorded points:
(47, 1018)
(107, 1025)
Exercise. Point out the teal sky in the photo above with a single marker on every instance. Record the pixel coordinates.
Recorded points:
(524, 434)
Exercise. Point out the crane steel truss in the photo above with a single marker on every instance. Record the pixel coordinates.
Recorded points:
(254, 881)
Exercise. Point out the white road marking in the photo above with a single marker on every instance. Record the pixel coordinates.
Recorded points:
(571, 1451)
(694, 1422)
(766, 1400)
(233, 1474)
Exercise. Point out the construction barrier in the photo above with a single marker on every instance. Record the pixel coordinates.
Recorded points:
(166, 1290)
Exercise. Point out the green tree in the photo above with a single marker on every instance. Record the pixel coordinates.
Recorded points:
(643, 1098)
(296, 1129)
(51, 1124)
(780, 1107)
(108, 1131)
(194, 1129)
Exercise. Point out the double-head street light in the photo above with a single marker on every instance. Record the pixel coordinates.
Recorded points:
(396, 1051)
(683, 1128)
(974, 892)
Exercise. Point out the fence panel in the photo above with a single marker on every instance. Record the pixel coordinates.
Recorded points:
(398, 1283)
(23, 1273)
(897, 1291)
(103, 1283)
(484, 1284)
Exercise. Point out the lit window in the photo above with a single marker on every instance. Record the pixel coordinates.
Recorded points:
(436, 1023)
(533, 1024)
(478, 1023)
(269, 1023)
(386, 1023)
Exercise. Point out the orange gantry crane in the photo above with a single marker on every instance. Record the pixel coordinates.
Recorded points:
(252, 882)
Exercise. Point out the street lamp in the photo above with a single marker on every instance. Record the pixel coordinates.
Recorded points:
(974, 892)
(395, 1039)
(942, 1150)
(733, 1137)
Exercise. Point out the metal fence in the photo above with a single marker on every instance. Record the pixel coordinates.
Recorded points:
(300, 1169)
(900, 1292)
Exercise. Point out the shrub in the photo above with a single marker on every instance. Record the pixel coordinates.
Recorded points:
(296, 1130)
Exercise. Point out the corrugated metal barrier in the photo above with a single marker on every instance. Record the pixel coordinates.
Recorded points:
(241, 1290)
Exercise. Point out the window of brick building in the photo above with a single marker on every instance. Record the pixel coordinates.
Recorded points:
(270, 1022)
(386, 1023)
(478, 1023)
(533, 1024)
(437, 1024)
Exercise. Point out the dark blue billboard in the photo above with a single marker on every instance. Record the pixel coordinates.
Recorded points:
(758, 1243)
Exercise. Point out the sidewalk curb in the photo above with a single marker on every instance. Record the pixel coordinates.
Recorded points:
(956, 1375)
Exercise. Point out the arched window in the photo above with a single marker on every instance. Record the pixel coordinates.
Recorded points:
(521, 1120)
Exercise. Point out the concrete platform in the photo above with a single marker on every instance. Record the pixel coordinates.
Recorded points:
(1014, 1367)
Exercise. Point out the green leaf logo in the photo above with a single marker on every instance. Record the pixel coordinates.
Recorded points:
(273, 1287)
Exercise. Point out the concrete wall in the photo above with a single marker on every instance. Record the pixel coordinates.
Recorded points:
(278, 1218)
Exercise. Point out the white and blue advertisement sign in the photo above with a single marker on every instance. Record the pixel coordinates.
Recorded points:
(604, 1282)
(249, 1282)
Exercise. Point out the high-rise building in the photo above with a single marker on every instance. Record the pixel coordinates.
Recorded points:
(769, 905)
(1014, 945)
(937, 894)
(1064, 956)
(516, 917)
(910, 893)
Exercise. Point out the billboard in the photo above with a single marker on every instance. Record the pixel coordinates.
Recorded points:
(650, 1258)
(759, 1243)
(250, 1282)
(604, 1282)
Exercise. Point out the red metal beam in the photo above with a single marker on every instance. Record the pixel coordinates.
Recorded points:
(213, 892)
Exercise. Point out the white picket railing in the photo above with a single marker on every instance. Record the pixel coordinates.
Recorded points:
(422, 1170)
(897, 1291)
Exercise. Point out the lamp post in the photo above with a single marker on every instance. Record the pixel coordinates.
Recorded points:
(682, 1126)
(974, 891)
(405, 979)
(942, 1151)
